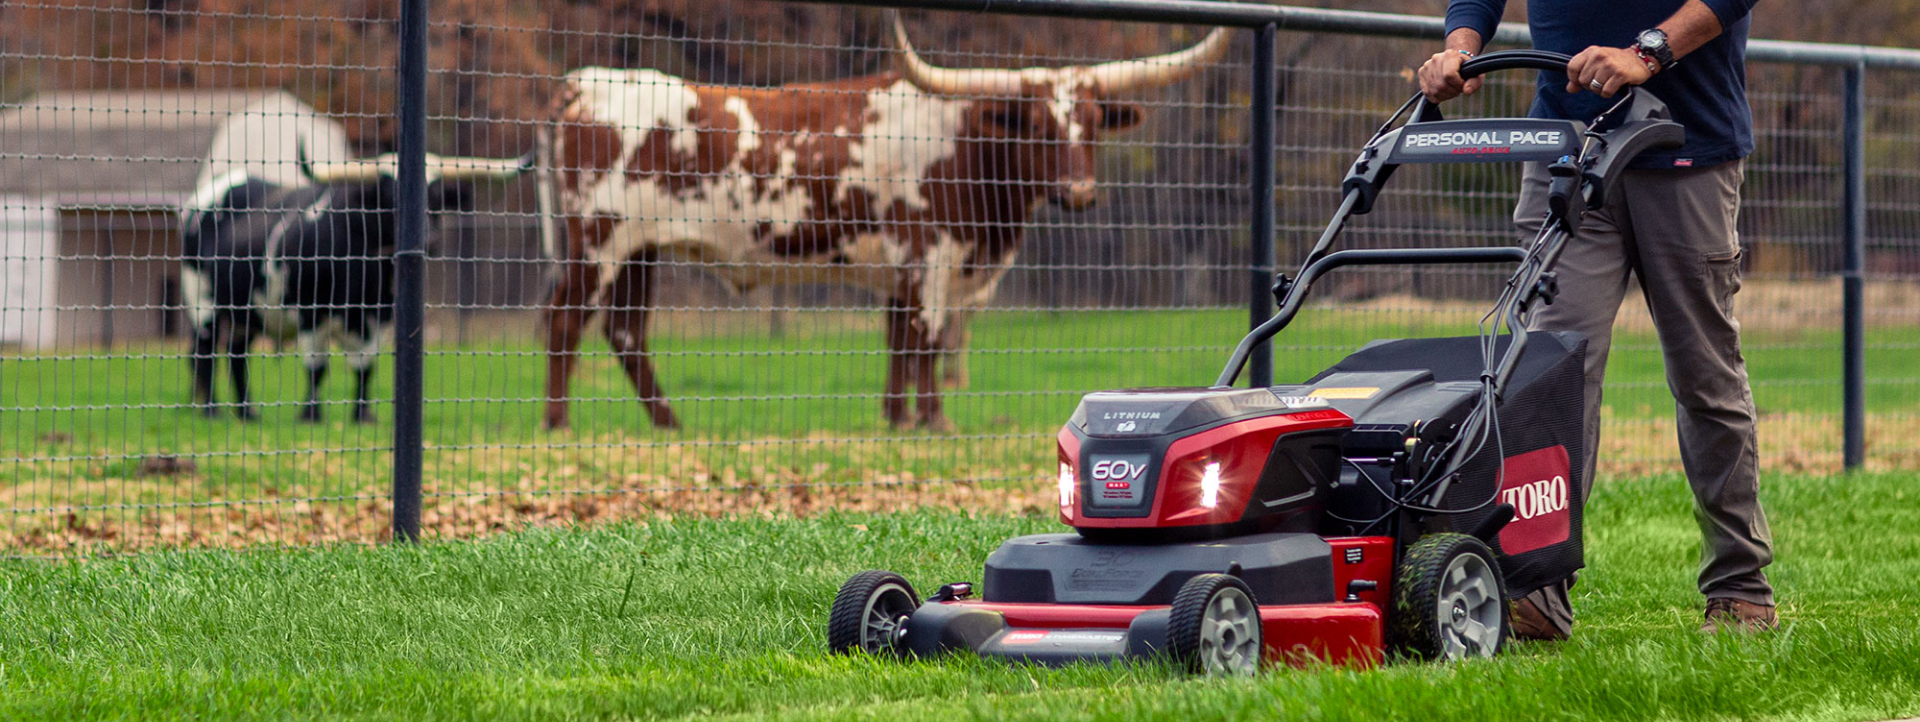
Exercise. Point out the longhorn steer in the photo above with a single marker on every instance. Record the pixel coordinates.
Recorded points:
(311, 262)
(914, 184)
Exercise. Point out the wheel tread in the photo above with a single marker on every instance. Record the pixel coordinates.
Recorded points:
(1414, 631)
(1189, 607)
(845, 623)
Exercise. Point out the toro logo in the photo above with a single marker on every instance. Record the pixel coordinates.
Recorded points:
(1117, 470)
(1535, 483)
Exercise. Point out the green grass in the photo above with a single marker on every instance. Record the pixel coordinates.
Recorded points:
(723, 619)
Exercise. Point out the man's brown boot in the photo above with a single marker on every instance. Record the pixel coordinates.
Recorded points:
(1529, 622)
(1724, 614)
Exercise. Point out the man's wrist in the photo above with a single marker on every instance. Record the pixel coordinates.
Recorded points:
(1653, 64)
(1466, 40)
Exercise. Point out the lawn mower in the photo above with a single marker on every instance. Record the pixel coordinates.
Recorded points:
(1392, 503)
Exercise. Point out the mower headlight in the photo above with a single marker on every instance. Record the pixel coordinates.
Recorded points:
(1066, 484)
(1210, 485)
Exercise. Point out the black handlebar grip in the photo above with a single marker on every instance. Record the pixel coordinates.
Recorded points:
(1515, 60)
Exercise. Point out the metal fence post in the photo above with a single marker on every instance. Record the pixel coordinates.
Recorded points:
(1852, 282)
(410, 268)
(1260, 194)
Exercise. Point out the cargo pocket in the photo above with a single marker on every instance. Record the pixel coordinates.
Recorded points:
(1723, 271)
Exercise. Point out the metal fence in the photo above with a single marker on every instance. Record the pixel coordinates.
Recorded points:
(775, 363)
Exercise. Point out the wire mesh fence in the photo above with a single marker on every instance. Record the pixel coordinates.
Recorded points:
(748, 266)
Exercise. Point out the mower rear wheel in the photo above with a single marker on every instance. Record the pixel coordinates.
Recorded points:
(1449, 600)
(1214, 627)
(869, 612)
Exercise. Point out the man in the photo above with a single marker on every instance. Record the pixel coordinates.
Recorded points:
(1672, 226)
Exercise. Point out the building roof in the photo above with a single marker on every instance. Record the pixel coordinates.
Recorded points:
(146, 148)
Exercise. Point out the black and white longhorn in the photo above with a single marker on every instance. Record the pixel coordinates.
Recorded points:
(313, 263)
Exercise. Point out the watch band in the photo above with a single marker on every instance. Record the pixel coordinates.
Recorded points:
(1661, 52)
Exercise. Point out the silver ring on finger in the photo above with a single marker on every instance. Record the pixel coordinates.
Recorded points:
(1596, 85)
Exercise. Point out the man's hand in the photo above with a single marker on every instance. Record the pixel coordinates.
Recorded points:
(1440, 77)
(1610, 69)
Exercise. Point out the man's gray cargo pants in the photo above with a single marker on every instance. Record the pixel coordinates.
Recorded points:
(1674, 230)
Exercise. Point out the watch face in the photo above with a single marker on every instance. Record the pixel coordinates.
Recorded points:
(1652, 39)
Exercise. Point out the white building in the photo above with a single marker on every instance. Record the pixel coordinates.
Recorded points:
(89, 187)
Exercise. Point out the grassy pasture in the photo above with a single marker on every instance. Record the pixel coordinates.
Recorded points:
(788, 423)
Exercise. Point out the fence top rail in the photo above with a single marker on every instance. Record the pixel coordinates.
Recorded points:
(1249, 15)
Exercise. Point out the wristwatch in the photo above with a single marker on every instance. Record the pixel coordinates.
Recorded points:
(1654, 43)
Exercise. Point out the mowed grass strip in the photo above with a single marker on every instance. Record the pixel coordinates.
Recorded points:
(724, 618)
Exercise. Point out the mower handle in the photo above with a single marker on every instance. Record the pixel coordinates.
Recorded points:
(1515, 60)
(1297, 294)
(1526, 59)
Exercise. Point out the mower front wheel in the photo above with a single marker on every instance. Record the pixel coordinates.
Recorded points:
(869, 612)
(1214, 627)
(1449, 600)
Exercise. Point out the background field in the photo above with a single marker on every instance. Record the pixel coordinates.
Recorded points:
(710, 619)
(776, 425)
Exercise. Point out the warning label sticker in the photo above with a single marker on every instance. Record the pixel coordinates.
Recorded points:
(1063, 636)
(1345, 392)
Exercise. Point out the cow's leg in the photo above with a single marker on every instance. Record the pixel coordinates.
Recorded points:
(628, 301)
(926, 349)
(197, 292)
(242, 326)
(206, 342)
(567, 315)
(312, 344)
(953, 351)
(893, 402)
(363, 350)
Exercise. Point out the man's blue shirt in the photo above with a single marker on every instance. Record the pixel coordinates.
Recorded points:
(1707, 89)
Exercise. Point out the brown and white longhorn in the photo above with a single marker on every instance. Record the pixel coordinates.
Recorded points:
(915, 184)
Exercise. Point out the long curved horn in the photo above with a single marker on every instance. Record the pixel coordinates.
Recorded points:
(463, 169)
(948, 81)
(1161, 70)
(336, 171)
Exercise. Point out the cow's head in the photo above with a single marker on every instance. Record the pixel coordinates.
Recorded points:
(1054, 115)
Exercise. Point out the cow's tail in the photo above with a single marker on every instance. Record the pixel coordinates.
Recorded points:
(544, 178)
(544, 191)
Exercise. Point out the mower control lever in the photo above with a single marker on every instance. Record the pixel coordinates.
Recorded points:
(1547, 287)
(1563, 193)
(952, 592)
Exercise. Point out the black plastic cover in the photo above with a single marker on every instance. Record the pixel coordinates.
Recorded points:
(1159, 411)
(1280, 568)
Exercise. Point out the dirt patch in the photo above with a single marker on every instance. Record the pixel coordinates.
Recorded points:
(1770, 305)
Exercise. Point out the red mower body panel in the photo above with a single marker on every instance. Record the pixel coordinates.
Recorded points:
(1347, 634)
(1206, 462)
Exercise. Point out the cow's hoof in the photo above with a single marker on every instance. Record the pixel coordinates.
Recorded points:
(364, 416)
(311, 415)
(245, 413)
(210, 411)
